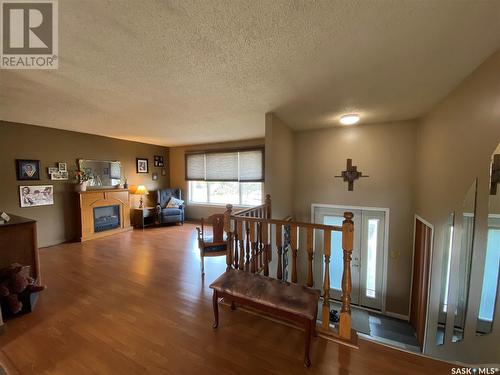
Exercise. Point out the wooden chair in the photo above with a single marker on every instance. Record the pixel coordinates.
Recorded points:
(214, 245)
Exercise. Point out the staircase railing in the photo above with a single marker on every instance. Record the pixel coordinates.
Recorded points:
(261, 211)
(250, 249)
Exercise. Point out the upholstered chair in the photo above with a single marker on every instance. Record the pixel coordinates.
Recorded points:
(166, 214)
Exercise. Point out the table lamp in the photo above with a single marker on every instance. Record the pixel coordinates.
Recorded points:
(141, 190)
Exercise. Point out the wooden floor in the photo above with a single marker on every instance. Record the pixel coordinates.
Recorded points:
(135, 303)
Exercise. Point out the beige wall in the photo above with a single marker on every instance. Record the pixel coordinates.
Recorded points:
(385, 152)
(455, 144)
(279, 166)
(58, 223)
(178, 174)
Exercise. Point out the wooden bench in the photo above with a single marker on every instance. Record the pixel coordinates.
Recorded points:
(292, 302)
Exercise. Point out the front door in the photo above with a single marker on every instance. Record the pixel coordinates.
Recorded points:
(367, 256)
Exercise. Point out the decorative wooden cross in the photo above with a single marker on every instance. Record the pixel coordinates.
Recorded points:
(351, 174)
(495, 174)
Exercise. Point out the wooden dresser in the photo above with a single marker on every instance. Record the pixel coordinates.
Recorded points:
(93, 199)
(18, 244)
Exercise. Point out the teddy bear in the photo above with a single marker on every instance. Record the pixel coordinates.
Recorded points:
(13, 282)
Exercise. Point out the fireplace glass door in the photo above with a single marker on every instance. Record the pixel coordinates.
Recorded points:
(106, 218)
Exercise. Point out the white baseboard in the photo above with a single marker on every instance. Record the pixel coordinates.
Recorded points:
(397, 316)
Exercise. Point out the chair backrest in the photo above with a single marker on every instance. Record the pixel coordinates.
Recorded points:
(217, 221)
(164, 195)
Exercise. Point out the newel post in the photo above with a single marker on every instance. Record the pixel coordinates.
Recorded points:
(268, 206)
(229, 234)
(347, 245)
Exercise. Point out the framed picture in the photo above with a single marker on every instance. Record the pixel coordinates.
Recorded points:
(142, 165)
(158, 162)
(59, 176)
(28, 169)
(52, 170)
(36, 195)
(63, 167)
(155, 176)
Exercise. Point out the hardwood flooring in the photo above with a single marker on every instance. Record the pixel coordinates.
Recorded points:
(135, 303)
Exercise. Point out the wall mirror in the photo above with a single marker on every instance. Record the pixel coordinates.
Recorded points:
(103, 173)
(465, 262)
(445, 279)
(489, 288)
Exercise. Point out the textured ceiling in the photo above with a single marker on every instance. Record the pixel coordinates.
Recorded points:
(186, 72)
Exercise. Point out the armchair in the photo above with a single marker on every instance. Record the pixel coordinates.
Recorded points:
(169, 214)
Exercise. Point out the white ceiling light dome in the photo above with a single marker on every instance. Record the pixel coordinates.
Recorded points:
(349, 119)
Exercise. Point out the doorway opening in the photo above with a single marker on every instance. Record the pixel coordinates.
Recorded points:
(419, 296)
(369, 256)
(368, 273)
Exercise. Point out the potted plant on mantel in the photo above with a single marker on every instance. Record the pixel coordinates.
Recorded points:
(82, 178)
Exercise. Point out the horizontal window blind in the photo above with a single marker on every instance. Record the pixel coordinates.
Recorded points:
(221, 166)
(195, 167)
(242, 166)
(251, 163)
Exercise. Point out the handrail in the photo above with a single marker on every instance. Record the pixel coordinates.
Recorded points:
(248, 210)
(261, 211)
(288, 222)
(251, 245)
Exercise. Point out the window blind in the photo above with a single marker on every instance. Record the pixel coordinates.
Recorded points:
(195, 167)
(222, 166)
(251, 163)
(242, 166)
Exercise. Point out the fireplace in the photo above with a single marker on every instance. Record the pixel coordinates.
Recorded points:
(103, 213)
(106, 218)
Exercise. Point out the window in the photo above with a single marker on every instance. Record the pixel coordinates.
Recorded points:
(222, 177)
(490, 276)
(371, 269)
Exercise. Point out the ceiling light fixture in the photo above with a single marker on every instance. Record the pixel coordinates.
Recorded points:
(350, 119)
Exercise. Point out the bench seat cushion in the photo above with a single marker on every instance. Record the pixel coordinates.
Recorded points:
(292, 298)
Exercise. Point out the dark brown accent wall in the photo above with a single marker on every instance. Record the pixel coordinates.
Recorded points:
(58, 223)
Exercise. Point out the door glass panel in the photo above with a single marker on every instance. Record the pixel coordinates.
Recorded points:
(371, 265)
(337, 254)
(445, 279)
(489, 290)
(465, 262)
(490, 280)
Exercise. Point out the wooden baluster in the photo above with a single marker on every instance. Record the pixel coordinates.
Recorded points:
(261, 245)
(347, 245)
(268, 206)
(236, 243)
(227, 228)
(326, 281)
(279, 246)
(258, 248)
(253, 260)
(248, 246)
(239, 231)
(310, 280)
(293, 244)
(265, 240)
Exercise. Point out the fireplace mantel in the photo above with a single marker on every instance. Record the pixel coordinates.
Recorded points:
(90, 199)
